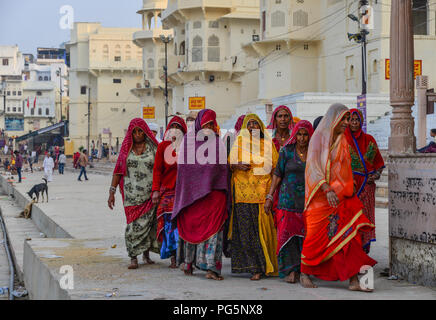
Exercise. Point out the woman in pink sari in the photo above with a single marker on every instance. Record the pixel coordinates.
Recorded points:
(134, 174)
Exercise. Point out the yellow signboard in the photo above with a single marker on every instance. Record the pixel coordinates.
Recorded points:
(197, 103)
(148, 113)
(417, 68)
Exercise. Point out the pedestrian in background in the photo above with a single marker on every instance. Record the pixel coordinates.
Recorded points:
(30, 161)
(254, 239)
(18, 164)
(83, 162)
(134, 174)
(48, 166)
(62, 161)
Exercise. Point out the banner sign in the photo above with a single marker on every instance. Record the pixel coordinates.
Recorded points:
(361, 105)
(197, 103)
(14, 124)
(417, 66)
(148, 113)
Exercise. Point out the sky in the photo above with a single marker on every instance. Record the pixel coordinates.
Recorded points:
(35, 23)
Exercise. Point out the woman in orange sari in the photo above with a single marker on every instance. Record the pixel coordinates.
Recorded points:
(332, 248)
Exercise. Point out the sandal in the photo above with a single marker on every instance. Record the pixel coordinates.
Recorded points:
(133, 264)
(214, 276)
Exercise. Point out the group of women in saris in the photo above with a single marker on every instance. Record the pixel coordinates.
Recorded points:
(294, 204)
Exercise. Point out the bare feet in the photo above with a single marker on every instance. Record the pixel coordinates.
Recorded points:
(214, 276)
(146, 258)
(133, 264)
(306, 282)
(256, 277)
(189, 270)
(173, 264)
(355, 285)
(293, 277)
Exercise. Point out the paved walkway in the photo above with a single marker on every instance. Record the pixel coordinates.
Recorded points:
(81, 209)
(4, 268)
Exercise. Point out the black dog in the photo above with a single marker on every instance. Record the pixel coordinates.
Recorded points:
(39, 188)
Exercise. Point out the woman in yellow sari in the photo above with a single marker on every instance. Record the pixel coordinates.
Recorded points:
(333, 215)
(254, 240)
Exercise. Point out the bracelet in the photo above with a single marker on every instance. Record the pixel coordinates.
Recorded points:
(328, 190)
(270, 197)
(113, 189)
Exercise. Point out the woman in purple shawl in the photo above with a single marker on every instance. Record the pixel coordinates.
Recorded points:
(201, 203)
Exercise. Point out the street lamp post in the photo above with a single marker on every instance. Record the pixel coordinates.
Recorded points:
(166, 40)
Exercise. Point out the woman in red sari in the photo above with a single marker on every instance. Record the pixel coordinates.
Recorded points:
(134, 174)
(367, 164)
(164, 185)
(282, 124)
(333, 216)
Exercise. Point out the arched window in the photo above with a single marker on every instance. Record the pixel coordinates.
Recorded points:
(278, 19)
(213, 50)
(40, 78)
(45, 78)
(182, 49)
(128, 53)
(117, 52)
(301, 18)
(47, 111)
(39, 111)
(197, 49)
(150, 67)
(105, 52)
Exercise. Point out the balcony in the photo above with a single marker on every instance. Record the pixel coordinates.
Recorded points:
(176, 5)
(140, 37)
(128, 65)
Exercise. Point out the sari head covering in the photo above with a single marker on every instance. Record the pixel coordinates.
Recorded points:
(296, 120)
(239, 123)
(273, 123)
(317, 172)
(180, 122)
(366, 158)
(133, 212)
(196, 180)
(302, 124)
(252, 186)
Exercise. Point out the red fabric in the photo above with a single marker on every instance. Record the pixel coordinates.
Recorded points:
(289, 224)
(343, 265)
(363, 141)
(302, 124)
(368, 199)
(204, 218)
(166, 205)
(209, 116)
(179, 121)
(133, 212)
(164, 174)
(239, 123)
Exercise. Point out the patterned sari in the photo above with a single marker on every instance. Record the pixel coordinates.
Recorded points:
(332, 248)
(365, 160)
(251, 229)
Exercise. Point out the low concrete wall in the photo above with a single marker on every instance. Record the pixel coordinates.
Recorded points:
(46, 225)
(40, 282)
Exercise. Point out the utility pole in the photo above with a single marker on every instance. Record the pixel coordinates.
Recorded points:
(166, 40)
(89, 117)
(60, 89)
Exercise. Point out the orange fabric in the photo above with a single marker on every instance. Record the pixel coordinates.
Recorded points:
(330, 230)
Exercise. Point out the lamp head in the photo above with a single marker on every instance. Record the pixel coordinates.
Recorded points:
(353, 17)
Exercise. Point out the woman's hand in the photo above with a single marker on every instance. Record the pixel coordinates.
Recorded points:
(373, 177)
(155, 198)
(268, 205)
(111, 200)
(333, 199)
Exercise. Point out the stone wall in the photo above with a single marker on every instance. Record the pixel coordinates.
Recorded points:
(412, 218)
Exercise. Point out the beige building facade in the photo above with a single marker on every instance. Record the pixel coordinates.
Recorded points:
(104, 66)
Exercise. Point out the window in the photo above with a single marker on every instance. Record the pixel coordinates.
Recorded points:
(38, 93)
(301, 18)
(278, 47)
(39, 111)
(40, 78)
(117, 58)
(278, 19)
(197, 24)
(182, 49)
(213, 50)
(83, 90)
(150, 66)
(9, 93)
(278, 1)
(306, 46)
(47, 111)
(32, 111)
(19, 109)
(19, 93)
(419, 14)
(197, 49)
(214, 24)
(279, 74)
(14, 109)
(45, 78)
(5, 62)
(116, 80)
